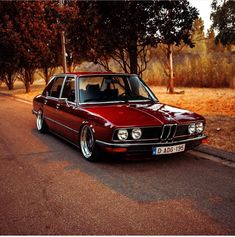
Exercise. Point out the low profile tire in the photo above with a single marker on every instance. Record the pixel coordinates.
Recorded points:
(40, 122)
(87, 144)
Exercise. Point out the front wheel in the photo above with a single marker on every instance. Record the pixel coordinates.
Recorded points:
(40, 122)
(87, 144)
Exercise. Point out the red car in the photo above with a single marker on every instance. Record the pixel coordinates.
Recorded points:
(114, 113)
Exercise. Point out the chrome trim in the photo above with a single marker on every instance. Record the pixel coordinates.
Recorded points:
(70, 102)
(51, 98)
(146, 144)
(118, 101)
(34, 112)
(76, 91)
(106, 102)
(62, 86)
(173, 136)
(53, 77)
(188, 135)
(170, 127)
(149, 139)
(58, 123)
(57, 100)
(104, 74)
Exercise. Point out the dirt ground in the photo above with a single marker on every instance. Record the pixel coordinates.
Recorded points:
(217, 105)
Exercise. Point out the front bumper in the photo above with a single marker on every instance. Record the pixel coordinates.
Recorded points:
(146, 148)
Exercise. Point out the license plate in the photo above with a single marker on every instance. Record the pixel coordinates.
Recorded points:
(168, 149)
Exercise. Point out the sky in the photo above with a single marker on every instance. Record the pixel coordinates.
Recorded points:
(204, 7)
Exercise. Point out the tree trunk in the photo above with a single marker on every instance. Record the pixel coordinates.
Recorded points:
(27, 86)
(171, 74)
(63, 52)
(9, 81)
(27, 80)
(46, 74)
(133, 56)
(10, 85)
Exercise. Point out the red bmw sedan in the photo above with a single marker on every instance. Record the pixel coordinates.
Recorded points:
(114, 113)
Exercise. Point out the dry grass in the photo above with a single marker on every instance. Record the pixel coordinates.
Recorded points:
(217, 105)
(204, 101)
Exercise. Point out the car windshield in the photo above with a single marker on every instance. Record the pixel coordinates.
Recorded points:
(113, 88)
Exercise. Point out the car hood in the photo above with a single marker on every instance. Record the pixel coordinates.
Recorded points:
(125, 115)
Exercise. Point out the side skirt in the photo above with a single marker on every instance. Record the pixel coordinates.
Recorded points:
(65, 139)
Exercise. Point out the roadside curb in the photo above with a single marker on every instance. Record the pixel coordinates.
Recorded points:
(16, 97)
(226, 155)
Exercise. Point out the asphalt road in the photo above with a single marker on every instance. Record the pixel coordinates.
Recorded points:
(46, 187)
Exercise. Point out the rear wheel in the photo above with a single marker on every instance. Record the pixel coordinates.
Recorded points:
(40, 122)
(87, 144)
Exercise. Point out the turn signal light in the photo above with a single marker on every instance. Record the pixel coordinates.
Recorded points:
(204, 141)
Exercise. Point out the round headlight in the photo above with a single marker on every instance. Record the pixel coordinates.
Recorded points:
(191, 128)
(122, 134)
(136, 133)
(199, 127)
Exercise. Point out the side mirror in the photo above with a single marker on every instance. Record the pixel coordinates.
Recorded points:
(47, 93)
(62, 101)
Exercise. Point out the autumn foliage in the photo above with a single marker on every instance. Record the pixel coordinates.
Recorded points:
(163, 41)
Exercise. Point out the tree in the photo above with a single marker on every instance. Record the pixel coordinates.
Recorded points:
(9, 39)
(29, 38)
(223, 17)
(210, 40)
(124, 31)
(175, 27)
(115, 30)
(37, 38)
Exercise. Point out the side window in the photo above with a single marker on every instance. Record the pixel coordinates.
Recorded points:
(69, 89)
(56, 87)
(48, 88)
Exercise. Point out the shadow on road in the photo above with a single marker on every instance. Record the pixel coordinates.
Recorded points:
(179, 176)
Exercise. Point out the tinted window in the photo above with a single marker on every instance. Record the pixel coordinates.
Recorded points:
(56, 87)
(112, 88)
(48, 88)
(69, 89)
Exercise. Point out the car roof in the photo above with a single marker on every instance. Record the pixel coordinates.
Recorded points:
(92, 73)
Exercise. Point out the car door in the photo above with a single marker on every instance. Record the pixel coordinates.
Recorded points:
(51, 103)
(67, 111)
